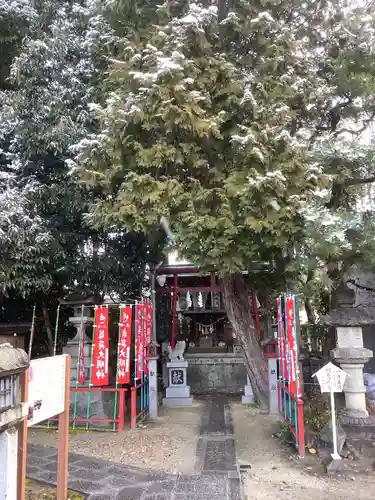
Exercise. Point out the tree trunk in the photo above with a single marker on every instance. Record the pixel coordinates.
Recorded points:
(237, 299)
(47, 324)
(310, 313)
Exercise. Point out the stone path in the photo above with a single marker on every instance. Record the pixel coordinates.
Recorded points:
(216, 475)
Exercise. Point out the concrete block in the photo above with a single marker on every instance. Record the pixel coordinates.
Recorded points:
(178, 392)
(177, 402)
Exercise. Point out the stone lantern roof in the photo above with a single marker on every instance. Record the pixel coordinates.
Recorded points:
(12, 360)
(350, 316)
(85, 297)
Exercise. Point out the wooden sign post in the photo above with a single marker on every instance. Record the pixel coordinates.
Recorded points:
(46, 388)
(332, 379)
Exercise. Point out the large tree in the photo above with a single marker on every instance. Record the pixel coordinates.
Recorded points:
(215, 124)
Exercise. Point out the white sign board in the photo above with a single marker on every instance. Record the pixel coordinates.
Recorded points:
(331, 378)
(46, 388)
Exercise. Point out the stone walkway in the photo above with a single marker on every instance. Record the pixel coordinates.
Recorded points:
(216, 475)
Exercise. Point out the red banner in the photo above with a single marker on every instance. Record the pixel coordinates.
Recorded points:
(147, 333)
(138, 340)
(291, 351)
(100, 352)
(81, 366)
(124, 344)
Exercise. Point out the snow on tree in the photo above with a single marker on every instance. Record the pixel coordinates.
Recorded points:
(218, 125)
(55, 73)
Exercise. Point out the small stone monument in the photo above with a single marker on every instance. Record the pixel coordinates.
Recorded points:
(248, 396)
(177, 392)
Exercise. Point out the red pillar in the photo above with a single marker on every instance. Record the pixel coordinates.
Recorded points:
(301, 429)
(121, 410)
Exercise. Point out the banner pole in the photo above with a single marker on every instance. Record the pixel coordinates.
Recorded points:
(56, 329)
(117, 364)
(63, 440)
(77, 371)
(90, 372)
(32, 332)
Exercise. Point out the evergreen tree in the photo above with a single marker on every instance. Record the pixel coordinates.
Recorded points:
(224, 127)
(54, 70)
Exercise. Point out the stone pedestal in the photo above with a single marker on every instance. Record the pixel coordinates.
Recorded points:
(272, 386)
(248, 397)
(177, 392)
(351, 355)
(153, 379)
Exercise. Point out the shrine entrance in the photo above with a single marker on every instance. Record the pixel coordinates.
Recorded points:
(190, 308)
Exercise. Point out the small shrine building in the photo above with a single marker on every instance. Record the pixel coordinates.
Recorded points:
(190, 307)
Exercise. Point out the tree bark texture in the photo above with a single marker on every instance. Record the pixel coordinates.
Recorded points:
(237, 299)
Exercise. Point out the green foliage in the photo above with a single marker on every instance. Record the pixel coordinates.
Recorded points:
(190, 135)
(46, 242)
(239, 132)
(316, 411)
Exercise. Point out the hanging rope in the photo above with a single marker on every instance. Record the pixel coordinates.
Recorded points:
(209, 329)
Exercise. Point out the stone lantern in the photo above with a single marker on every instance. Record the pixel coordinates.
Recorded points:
(76, 300)
(352, 356)
(99, 406)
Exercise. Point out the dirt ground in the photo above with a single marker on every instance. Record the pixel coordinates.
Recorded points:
(36, 491)
(276, 472)
(168, 444)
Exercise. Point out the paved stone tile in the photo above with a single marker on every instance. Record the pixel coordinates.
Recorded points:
(100, 496)
(158, 487)
(129, 494)
(87, 487)
(160, 496)
(210, 486)
(220, 456)
(190, 496)
(42, 451)
(234, 489)
(215, 477)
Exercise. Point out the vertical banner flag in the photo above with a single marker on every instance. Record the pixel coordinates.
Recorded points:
(101, 348)
(148, 333)
(138, 340)
(291, 343)
(281, 339)
(123, 353)
(81, 366)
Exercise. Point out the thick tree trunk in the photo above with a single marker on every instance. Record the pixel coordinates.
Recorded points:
(47, 324)
(237, 298)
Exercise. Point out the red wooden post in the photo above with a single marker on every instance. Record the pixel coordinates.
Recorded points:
(133, 407)
(63, 440)
(174, 311)
(22, 439)
(121, 410)
(301, 429)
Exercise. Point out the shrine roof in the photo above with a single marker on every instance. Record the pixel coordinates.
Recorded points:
(350, 316)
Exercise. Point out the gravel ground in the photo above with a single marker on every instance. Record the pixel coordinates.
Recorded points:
(276, 472)
(167, 444)
(37, 491)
